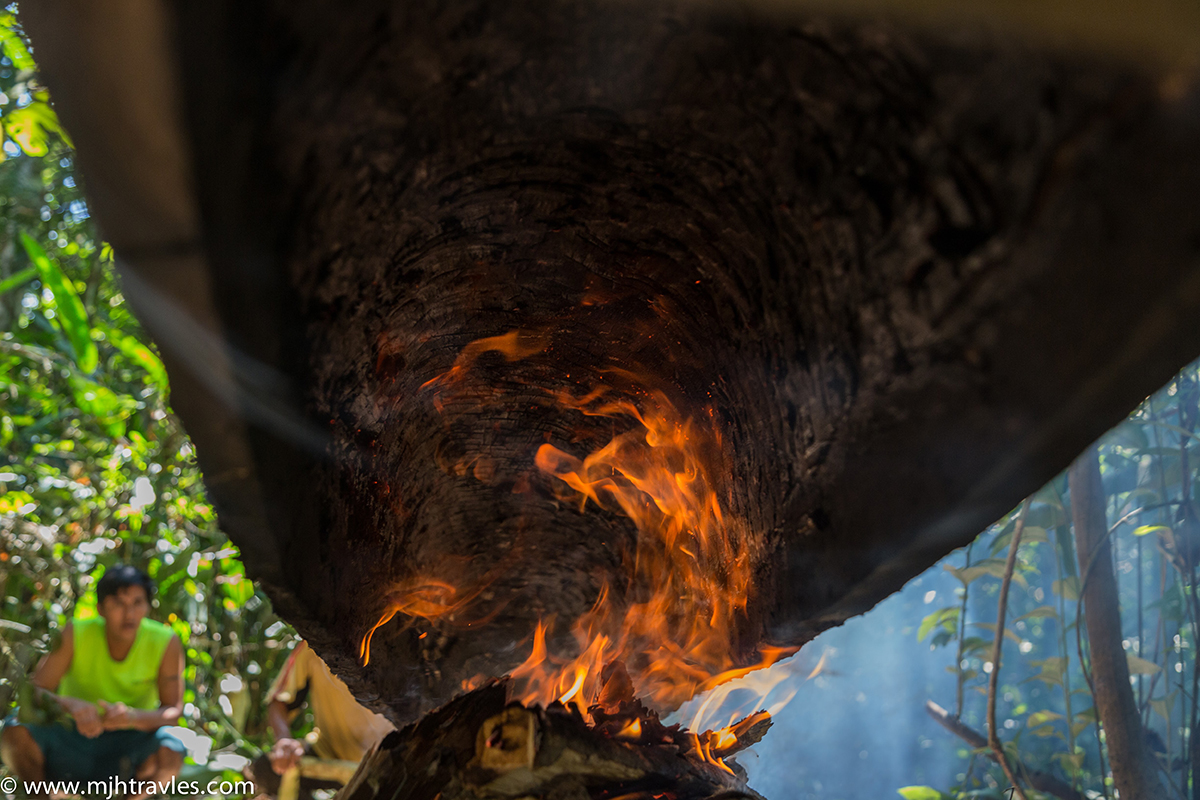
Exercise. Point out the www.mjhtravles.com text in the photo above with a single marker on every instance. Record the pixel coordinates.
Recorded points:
(115, 787)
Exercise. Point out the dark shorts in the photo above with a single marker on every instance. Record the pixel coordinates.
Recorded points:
(71, 756)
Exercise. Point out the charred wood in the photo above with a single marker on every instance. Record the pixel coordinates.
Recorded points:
(863, 253)
(481, 746)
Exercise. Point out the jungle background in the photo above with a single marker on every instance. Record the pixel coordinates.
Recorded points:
(96, 470)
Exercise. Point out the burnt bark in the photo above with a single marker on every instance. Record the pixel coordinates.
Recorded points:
(481, 746)
(859, 254)
(1133, 768)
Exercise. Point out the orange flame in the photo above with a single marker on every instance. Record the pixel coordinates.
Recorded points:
(513, 345)
(690, 572)
(693, 557)
(631, 731)
(425, 599)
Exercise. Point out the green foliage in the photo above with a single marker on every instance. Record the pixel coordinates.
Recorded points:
(922, 793)
(63, 306)
(944, 621)
(1149, 470)
(94, 468)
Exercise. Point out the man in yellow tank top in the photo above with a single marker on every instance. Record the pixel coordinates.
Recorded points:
(345, 729)
(119, 677)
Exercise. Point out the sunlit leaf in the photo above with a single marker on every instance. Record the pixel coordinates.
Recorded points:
(1042, 717)
(1140, 666)
(946, 618)
(12, 45)
(16, 503)
(989, 566)
(141, 355)
(71, 316)
(31, 126)
(1039, 613)
(17, 278)
(1143, 530)
(921, 793)
(1045, 731)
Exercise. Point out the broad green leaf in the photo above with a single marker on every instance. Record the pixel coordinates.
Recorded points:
(991, 626)
(974, 644)
(1140, 666)
(1045, 731)
(1079, 727)
(945, 618)
(17, 278)
(31, 125)
(1067, 588)
(109, 409)
(989, 566)
(1163, 705)
(1071, 762)
(14, 502)
(921, 793)
(11, 44)
(1038, 613)
(1032, 533)
(1050, 670)
(71, 317)
(141, 355)
(238, 591)
(1042, 717)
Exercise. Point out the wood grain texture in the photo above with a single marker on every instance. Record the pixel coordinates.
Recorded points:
(867, 250)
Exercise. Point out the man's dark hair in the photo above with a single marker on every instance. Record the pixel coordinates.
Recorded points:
(120, 576)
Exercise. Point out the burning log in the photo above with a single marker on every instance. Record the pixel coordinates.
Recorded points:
(482, 746)
(524, 337)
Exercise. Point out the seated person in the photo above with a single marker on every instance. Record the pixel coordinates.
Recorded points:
(345, 729)
(119, 676)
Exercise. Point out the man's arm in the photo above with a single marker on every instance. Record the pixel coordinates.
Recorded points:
(277, 718)
(170, 697)
(287, 751)
(49, 675)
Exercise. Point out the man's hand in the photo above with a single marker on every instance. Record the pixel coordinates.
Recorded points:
(285, 755)
(87, 718)
(116, 716)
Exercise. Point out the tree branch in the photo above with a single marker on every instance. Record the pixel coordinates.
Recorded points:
(1041, 781)
(994, 679)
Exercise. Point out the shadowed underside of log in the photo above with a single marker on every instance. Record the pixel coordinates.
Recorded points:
(900, 278)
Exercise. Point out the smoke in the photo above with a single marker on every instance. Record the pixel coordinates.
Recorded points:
(857, 729)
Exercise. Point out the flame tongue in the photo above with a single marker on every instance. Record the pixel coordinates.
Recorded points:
(692, 559)
(677, 621)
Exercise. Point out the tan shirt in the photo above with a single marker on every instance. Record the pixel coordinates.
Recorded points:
(346, 730)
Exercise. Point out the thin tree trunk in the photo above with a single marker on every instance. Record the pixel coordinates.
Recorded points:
(1133, 769)
(997, 652)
